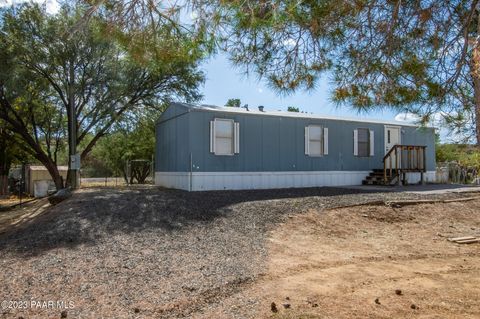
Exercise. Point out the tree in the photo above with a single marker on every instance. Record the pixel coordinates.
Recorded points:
(7, 155)
(411, 56)
(11, 151)
(233, 103)
(48, 71)
(134, 140)
(293, 109)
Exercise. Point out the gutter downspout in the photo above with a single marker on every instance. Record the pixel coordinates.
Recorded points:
(191, 173)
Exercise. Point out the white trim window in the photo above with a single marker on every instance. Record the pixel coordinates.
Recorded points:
(224, 137)
(316, 140)
(363, 142)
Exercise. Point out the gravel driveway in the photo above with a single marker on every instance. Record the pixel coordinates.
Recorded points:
(150, 252)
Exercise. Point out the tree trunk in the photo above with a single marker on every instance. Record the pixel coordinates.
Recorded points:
(4, 169)
(3, 184)
(72, 175)
(475, 72)
(125, 175)
(477, 111)
(56, 177)
(476, 94)
(35, 149)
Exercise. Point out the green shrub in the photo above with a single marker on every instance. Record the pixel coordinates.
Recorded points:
(465, 155)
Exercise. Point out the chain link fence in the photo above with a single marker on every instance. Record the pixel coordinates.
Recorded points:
(138, 171)
(455, 173)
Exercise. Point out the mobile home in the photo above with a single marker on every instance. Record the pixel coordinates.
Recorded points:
(203, 147)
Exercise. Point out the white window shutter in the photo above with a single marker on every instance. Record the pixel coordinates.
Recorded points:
(355, 142)
(325, 141)
(212, 136)
(372, 141)
(307, 139)
(236, 137)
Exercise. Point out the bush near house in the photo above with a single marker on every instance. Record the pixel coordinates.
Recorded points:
(466, 155)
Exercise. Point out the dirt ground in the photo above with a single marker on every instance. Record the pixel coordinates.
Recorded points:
(102, 182)
(373, 262)
(152, 253)
(11, 219)
(9, 200)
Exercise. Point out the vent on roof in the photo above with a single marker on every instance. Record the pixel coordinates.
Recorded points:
(260, 108)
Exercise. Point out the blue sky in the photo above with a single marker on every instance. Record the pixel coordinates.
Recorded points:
(223, 81)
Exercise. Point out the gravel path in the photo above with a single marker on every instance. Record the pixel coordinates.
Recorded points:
(149, 252)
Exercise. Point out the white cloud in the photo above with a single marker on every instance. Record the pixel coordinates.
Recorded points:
(407, 117)
(289, 42)
(436, 119)
(194, 15)
(52, 6)
(260, 90)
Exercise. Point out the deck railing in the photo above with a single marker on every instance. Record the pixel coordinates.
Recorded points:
(402, 159)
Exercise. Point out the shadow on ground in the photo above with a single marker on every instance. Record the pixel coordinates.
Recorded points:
(95, 213)
(417, 188)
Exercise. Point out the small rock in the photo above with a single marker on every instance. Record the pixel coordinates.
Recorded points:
(315, 305)
(137, 310)
(286, 305)
(273, 307)
(59, 196)
(414, 306)
(377, 301)
(63, 314)
(287, 298)
(398, 292)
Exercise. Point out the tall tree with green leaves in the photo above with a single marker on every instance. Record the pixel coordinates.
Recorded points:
(293, 109)
(233, 103)
(104, 73)
(11, 151)
(134, 140)
(411, 56)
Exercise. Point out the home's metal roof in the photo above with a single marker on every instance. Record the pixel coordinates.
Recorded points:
(255, 111)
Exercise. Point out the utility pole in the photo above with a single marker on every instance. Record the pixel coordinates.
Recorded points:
(74, 163)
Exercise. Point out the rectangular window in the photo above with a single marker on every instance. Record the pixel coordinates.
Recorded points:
(316, 140)
(224, 137)
(363, 142)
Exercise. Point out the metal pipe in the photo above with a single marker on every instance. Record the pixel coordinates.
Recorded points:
(191, 171)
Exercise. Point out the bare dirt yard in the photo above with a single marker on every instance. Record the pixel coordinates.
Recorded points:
(155, 253)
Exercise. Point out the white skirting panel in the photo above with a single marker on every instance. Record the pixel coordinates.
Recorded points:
(178, 180)
(202, 181)
(429, 176)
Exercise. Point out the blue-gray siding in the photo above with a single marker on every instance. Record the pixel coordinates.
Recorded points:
(270, 143)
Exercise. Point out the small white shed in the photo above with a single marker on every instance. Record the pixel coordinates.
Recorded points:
(38, 180)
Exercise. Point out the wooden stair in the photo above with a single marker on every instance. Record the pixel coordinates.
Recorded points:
(376, 177)
(399, 160)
